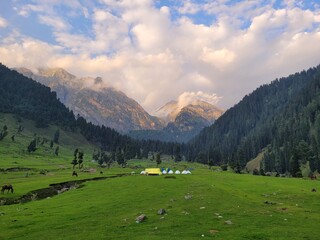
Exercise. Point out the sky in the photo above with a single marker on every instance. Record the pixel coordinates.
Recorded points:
(157, 51)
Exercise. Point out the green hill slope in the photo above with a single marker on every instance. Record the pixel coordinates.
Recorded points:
(14, 147)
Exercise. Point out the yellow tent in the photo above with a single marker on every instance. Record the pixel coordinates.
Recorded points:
(153, 171)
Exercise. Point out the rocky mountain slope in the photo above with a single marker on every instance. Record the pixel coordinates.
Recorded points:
(183, 122)
(89, 98)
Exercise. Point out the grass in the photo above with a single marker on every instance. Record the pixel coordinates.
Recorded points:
(107, 209)
(197, 205)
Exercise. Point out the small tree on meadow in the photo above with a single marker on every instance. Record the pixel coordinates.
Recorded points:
(74, 163)
(32, 146)
(56, 136)
(158, 159)
(56, 152)
(120, 158)
(210, 163)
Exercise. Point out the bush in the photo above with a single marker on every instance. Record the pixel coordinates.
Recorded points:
(224, 167)
(255, 172)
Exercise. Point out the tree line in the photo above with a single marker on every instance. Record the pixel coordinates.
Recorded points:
(281, 120)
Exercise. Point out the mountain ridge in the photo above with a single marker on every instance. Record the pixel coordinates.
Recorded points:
(99, 104)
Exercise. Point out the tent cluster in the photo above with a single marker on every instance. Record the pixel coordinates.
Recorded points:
(158, 171)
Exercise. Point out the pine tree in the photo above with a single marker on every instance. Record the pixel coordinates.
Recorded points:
(158, 159)
(56, 136)
(32, 146)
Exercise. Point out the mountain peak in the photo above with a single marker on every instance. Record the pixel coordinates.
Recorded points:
(172, 109)
(59, 73)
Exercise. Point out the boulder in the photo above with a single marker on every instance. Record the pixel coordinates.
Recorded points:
(228, 222)
(141, 218)
(162, 211)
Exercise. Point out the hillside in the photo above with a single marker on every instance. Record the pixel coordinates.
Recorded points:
(282, 116)
(91, 99)
(48, 154)
(31, 100)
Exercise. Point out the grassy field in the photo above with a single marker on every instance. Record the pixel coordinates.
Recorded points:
(208, 204)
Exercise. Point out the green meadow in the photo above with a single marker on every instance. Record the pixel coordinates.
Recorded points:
(207, 204)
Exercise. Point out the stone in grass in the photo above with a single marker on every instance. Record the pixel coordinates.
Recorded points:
(213, 232)
(162, 211)
(141, 218)
(229, 222)
(187, 197)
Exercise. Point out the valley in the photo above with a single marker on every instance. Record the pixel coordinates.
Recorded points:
(209, 203)
(159, 120)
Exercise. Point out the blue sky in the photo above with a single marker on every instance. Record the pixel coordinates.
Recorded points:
(156, 51)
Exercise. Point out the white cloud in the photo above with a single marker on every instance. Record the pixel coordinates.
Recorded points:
(189, 7)
(19, 53)
(3, 23)
(218, 58)
(154, 56)
(53, 21)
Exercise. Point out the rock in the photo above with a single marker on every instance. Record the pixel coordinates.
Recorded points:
(185, 213)
(162, 211)
(187, 197)
(213, 232)
(271, 203)
(229, 222)
(141, 218)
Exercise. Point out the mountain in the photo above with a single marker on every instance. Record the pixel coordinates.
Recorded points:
(173, 110)
(26, 99)
(183, 122)
(98, 104)
(280, 120)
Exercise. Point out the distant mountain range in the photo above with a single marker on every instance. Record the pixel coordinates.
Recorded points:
(96, 103)
(107, 106)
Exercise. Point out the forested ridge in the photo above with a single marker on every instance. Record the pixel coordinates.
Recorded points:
(29, 99)
(281, 119)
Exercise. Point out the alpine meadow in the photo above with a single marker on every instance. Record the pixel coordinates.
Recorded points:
(147, 119)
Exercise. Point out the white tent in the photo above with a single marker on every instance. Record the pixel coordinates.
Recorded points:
(143, 172)
(164, 172)
(177, 172)
(188, 172)
(170, 172)
(184, 172)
